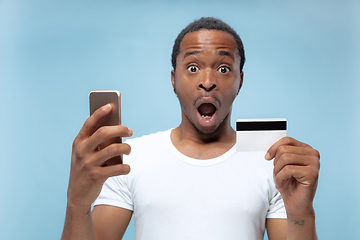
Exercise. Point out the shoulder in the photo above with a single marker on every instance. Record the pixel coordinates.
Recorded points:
(147, 146)
(151, 139)
(257, 170)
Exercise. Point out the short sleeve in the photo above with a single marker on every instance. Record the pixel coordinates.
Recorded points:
(115, 192)
(276, 207)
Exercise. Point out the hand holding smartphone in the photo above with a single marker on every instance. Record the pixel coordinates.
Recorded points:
(98, 99)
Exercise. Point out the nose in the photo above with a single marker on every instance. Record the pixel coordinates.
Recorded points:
(208, 81)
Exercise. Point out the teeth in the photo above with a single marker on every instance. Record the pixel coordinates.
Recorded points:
(205, 117)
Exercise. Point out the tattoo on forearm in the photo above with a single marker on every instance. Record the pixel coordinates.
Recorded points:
(300, 223)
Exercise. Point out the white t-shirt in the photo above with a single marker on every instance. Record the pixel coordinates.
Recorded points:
(177, 197)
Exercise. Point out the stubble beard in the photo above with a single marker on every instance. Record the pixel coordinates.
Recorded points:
(211, 134)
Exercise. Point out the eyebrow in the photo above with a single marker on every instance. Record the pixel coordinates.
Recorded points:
(191, 53)
(224, 53)
(221, 53)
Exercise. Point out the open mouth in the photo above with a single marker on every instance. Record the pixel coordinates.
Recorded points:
(206, 110)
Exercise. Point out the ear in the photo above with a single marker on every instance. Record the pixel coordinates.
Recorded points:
(173, 79)
(241, 81)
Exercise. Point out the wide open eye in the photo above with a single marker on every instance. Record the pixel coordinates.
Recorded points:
(193, 68)
(224, 69)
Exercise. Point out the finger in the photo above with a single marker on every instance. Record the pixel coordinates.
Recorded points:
(91, 123)
(290, 159)
(115, 170)
(100, 174)
(283, 141)
(305, 175)
(285, 151)
(111, 151)
(105, 133)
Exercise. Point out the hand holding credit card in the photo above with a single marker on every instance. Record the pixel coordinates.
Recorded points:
(259, 134)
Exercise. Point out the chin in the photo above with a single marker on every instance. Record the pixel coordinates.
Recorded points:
(207, 131)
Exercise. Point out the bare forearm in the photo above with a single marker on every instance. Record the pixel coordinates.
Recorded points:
(301, 227)
(78, 224)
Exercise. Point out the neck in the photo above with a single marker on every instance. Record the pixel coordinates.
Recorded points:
(191, 142)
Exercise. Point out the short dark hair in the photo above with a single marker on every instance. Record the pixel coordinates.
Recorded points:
(208, 23)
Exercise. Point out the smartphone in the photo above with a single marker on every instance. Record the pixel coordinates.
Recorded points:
(259, 134)
(98, 99)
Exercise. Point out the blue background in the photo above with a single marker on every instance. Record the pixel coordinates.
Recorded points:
(302, 64)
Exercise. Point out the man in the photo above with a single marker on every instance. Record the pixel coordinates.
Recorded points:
(189, 182)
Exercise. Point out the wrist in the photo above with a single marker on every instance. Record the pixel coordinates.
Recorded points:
(75, 207)
(301, 225)
(305, 213)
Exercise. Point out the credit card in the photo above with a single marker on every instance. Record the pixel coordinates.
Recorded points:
(259, 134)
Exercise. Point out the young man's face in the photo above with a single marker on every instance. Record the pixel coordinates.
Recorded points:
(207, 78)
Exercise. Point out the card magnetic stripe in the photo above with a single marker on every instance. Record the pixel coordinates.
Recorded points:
(261, 126)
